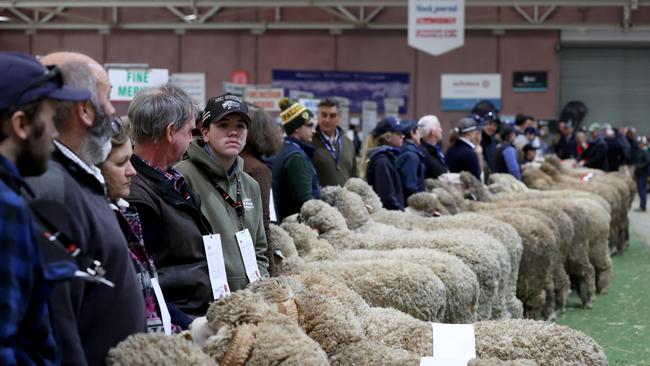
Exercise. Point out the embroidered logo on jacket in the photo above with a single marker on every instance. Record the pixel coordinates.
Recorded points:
(248, 204)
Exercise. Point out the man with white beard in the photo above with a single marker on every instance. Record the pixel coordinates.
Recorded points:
(89, 317)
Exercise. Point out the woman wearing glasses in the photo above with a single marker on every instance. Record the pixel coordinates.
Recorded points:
(118, 171)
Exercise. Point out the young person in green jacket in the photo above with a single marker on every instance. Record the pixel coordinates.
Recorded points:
(230, 198)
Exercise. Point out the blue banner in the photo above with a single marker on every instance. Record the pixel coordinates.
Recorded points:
(465, 104)
(356, 86)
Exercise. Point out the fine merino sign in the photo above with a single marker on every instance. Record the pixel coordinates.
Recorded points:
(530, 81)
(128, 82)
(460, 92)
(436, 26)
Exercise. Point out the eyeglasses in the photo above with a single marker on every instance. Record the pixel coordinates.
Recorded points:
(53, 73)
(116, 126)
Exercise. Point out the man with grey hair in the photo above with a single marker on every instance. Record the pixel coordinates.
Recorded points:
(173, 227)
(431, 133)
(89, 317)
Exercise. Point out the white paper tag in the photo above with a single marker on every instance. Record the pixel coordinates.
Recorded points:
(216, 266)
(453, 345)
(272, 215)
(164, 312)
(247, 250)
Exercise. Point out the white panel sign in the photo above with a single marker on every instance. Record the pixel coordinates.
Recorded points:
(436, 26)
(299, 94)
(232, 88)
(311, 104)
(462, 91)
(193, 84)
(368, 116)
(344, 111)
(128, 82)
(265, 98)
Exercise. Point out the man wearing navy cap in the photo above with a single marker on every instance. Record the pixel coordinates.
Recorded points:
(90, 317)
(28, 95)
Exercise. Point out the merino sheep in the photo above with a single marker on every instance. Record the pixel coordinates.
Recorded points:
(157, 349)
(482, 253)
(246, 331)
(503, 232)
(412, 288)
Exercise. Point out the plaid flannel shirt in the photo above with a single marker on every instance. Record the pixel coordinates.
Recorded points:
(26, 336)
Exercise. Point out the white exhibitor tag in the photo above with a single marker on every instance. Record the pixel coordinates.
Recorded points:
(216, 266)
(247, 250)
(164, 312)
(453, 345)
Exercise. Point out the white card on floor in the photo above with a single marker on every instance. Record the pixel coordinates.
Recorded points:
(453, 344)
(216, 266)
(164, 312)
(247, 250)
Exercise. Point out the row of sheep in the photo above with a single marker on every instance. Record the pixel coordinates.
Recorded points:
(313, 319)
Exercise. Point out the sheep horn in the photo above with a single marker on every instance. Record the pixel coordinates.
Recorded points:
(241, 346)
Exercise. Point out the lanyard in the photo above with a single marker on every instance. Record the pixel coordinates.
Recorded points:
(336, 155)
(237, 205)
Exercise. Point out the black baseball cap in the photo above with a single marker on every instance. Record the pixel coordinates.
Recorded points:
(23, 80)
(223, 105)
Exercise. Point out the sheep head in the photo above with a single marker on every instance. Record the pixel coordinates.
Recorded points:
(364, 190)
(322, 217)
(349, 204)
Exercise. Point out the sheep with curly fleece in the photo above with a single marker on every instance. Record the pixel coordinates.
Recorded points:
(381, 219)
(482, 253)
(381, 281)
(246, 331)
(505, 183)
(492, 361)
(329, 320)
(537, 341)
(157, 349)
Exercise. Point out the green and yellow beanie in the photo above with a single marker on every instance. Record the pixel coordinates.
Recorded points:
(293, 115)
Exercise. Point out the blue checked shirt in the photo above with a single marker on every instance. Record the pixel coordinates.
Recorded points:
(26, 336)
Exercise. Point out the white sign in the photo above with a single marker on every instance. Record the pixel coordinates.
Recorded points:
(344, 111)
(436, 26)
(216, 265)
(460, 92)
(128, 82)
(453, 345)
(265, 98)
(368, 115)
(193, 84)
(391, 107)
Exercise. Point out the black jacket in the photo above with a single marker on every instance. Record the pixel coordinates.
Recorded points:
(462, 158)
(596, 155)
(642, 163)
(383, 177)
(90, 318)
(435, 162)
(173, 228)
(489, 146)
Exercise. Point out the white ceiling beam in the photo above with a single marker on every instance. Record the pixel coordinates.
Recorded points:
(373, 14)
(547, 13)
(524, 14)
(209, 14)
(21, 15)
(348, 14)
(178, 13)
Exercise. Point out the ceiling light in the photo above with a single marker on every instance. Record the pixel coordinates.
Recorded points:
(4, 18)
(190, 17)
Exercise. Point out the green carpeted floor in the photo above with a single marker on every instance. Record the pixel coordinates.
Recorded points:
(620, 319)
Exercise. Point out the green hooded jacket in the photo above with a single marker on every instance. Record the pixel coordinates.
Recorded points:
(203, 174)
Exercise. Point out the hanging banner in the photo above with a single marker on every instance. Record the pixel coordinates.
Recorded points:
(356, 86)
(128, 82)
(436, 26)
(460, 92)
(193, 84)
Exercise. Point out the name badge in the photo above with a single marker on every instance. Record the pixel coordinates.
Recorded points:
(247, 250)
(216, 266)
(164, 312)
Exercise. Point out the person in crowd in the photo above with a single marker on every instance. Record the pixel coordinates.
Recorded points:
(355, 135)
(90, 317)
(232, 201)
(641, 171)
(595, 156)
(431, 136)
(379, 160)
(264, 139)
(617, 149)
(506, 161)
(630, 136)
(566, 145)
(461, 155)
(532, 138)
(581, 142)
(489, 141)
(545, 136)
(118, 172)
(28, 100)
(411, 162)
(522, 122)
(173, 227)
(295, 180)
(334, 156)
(529, 153)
